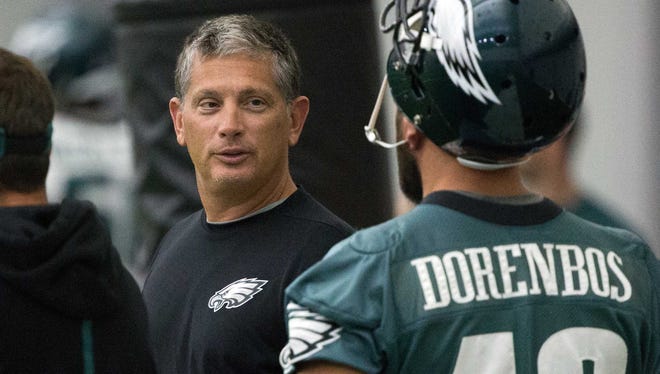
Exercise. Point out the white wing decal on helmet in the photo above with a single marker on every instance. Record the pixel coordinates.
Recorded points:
(452, 22)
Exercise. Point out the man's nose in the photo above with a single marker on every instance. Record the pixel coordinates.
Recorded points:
(230, 121)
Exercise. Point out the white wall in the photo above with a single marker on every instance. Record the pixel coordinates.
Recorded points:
(619, 158)
(12, 12)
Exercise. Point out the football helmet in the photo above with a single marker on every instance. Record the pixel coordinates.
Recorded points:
(489, 81)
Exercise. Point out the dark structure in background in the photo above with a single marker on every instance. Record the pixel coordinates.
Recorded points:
(656, 109)
(91, 159)
(336, 41)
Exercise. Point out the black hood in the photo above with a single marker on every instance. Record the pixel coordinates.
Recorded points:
(61, 255)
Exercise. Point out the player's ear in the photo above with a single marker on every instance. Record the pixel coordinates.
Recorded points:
(408, 132)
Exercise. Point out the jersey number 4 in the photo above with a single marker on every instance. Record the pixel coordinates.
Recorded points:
(576, 350)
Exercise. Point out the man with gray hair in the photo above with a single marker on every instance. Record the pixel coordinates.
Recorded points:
(215, 290)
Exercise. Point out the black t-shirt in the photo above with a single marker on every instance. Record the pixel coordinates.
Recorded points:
(215, 293)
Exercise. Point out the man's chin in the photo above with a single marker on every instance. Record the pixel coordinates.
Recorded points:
(231, 180)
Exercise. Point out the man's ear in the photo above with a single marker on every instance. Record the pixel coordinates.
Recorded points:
(411, 134)
(299, 109)
(176, 112)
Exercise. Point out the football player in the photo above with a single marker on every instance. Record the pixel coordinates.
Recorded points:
(482, 275)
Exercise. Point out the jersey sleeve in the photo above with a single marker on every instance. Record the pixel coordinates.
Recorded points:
(334, 308)
(654, 270)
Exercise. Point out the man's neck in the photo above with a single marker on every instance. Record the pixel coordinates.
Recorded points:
(231, 204)
(443, 172)
(13, 198)
(558, 188)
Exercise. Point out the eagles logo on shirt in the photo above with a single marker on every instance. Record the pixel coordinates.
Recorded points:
(236, 294)
(309, 332)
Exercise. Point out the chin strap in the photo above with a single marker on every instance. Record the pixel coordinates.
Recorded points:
(370, 130)
(488, 167)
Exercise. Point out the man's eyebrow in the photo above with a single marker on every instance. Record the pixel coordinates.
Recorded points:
(197, 96)
(251, 91)
(206, 93)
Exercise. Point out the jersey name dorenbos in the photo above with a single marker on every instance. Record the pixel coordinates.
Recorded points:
(480, 274)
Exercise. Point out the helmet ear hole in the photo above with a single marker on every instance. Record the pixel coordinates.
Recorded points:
(500, 39)
(418, 88)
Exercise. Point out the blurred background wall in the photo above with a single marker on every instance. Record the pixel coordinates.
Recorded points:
(618, 159)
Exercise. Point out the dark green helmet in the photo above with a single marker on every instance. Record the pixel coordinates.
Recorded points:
(489, 81)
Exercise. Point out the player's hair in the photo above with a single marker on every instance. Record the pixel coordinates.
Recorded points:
(235, 34)
(26, 109)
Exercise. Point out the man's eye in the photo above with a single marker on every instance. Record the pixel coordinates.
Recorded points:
(207, 104)
(256, 102)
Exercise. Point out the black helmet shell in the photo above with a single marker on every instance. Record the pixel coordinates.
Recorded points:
(531, 54)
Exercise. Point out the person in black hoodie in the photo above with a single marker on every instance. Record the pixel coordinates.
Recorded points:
(67, 304)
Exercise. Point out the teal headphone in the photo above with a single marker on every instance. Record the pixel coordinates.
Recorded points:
(35, 145)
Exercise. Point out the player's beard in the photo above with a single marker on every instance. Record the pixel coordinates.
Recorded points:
(410, 180)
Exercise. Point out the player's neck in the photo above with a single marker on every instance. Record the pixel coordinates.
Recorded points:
(443, 172)
(489, 183)
(559, 187)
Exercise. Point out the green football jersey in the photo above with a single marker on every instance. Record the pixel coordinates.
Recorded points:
(463, 285)
(591, 210)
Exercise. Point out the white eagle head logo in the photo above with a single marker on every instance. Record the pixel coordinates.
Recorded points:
(451, 21)
(236, 293)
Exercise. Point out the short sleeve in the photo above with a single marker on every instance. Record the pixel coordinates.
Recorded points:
(334, 308)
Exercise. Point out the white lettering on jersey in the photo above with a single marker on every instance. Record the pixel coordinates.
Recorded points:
(598, 277)
(453, 261)
(236, 293)
(308, 332)
(477, 257)
(573, 270)
(506, 270)
(470, 274)
(614, 262)
(439, 279)
(543, 266)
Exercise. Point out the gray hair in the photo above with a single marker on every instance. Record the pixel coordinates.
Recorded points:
(233, 34)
